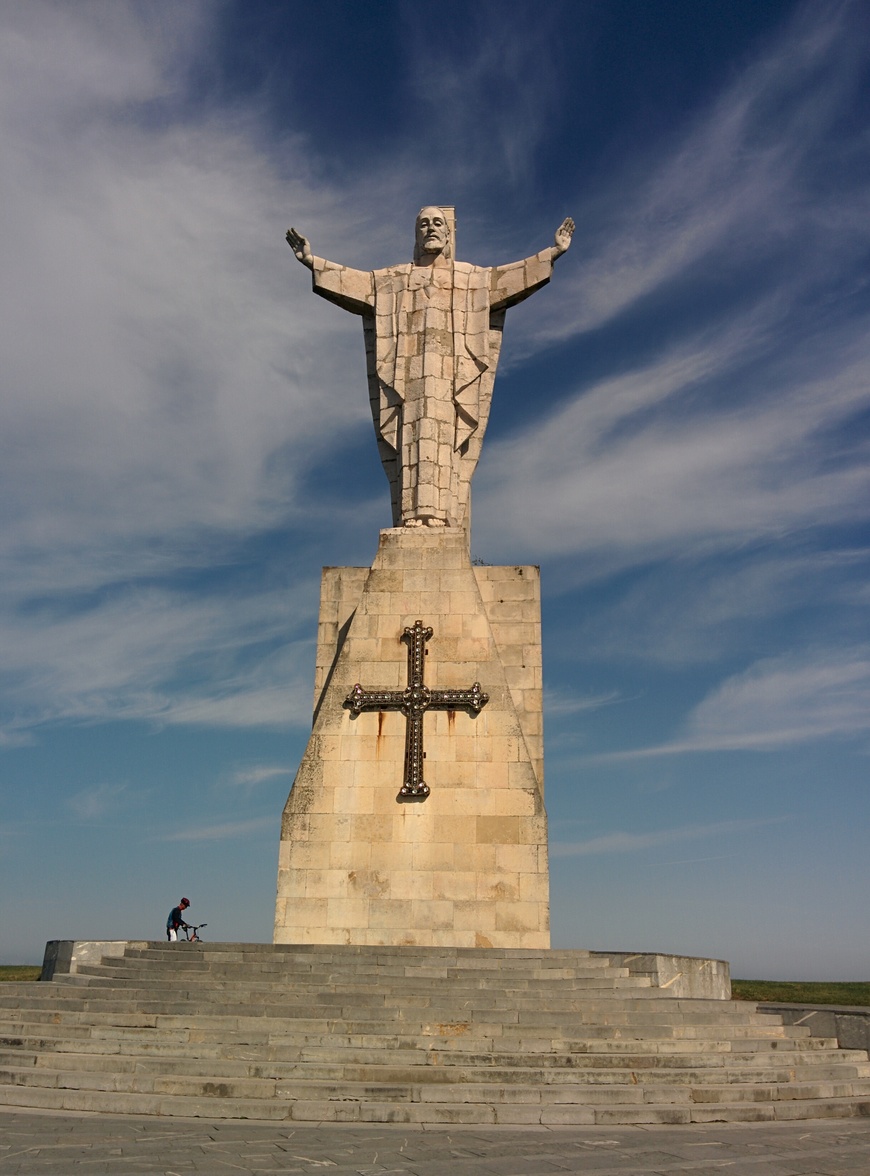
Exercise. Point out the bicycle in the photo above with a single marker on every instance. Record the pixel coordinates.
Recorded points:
(195, 937)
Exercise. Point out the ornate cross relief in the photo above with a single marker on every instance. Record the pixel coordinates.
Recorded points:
(413, 702)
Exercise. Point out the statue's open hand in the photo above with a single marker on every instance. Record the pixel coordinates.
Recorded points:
(300, 247)
(564, 233)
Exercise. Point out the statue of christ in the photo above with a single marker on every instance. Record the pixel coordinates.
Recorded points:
(433, 330)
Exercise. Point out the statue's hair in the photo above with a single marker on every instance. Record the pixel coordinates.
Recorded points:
(448, 248)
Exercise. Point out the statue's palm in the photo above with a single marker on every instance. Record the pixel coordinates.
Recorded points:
(564, 233)
(300, 247)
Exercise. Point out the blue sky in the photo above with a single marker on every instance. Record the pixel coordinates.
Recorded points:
(679, 438)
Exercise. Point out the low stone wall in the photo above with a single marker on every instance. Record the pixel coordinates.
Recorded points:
(67, 955)
(850, 1025)
(685, 976)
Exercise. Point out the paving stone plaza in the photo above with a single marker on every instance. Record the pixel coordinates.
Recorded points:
(114, 1145)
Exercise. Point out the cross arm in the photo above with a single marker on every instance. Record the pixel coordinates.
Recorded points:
(473, 698)
(359, 700)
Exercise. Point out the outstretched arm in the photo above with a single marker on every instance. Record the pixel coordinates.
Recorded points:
(300, 247)
(510, 284)
(348, 288)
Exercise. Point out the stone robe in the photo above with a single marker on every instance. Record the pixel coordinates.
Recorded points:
(433, 337)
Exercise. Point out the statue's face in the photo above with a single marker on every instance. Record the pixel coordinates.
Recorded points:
(432, 231)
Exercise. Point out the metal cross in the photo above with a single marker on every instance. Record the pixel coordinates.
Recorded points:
(413, 702)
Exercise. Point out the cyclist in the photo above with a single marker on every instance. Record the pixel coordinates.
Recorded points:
(176, 920)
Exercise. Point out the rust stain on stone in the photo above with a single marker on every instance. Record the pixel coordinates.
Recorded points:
(447, 1029)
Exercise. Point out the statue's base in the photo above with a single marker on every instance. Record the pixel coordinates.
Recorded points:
(467, 866)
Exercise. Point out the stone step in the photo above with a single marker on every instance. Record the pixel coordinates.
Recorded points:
(14, 1022)
(692, 1017)
(446, 1053)
(198, 959)
(631, 1003)
(574, 1038)
(397, 1092)
(420, 1035)
(569, 1033)
(404, 980)
(775, 1092)
(384, 959)
(420, 1069)
(596, 1006)
(113, 1102)
(139, 1082)
(577, 1039)
(69, 996)
(396, 959)
(318, 1110)
(273, 1005)
(347, 1050)
(783, 1111)
(583, 980)
(367, 1049)
(493, 958)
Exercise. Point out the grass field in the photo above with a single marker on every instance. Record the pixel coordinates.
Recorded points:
(794, 991)
(797, 992)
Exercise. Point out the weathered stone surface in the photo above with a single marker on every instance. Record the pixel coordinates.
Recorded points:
(681, 975)
(406, 1034)
(68, 955)
(468, 866)
(849, 1026)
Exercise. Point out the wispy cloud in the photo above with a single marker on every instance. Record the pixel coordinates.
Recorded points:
(13, 738)
(157, 405)
(454, 78)
(611, 472)
(692, 610)
(157, 654)
(741, 179)
(622, 842)
(250, 777)
(777, 703)
(560, 703)
(725, 421)
(93, 803)
(229, 831)
(156, 385)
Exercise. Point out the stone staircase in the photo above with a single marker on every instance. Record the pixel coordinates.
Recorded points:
(406, 1035)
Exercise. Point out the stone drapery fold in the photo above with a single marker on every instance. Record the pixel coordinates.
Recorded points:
(470, 310)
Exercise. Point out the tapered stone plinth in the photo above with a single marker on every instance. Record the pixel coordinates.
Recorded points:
(466, 866)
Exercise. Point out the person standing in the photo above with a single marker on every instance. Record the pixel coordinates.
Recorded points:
(176, 920)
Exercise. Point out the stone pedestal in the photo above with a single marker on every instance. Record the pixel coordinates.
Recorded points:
(467, 866)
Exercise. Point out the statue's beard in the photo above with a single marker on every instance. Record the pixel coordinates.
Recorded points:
(425, 251)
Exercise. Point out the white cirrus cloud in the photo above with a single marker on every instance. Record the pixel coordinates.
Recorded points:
(776, 703)
(250, 777)
(90, 804)
(736, 180)
(624, 842)
(228, 831)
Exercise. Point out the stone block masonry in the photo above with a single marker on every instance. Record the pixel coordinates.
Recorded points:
(466, 866)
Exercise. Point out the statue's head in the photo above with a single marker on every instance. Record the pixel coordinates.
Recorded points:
(432, 233)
